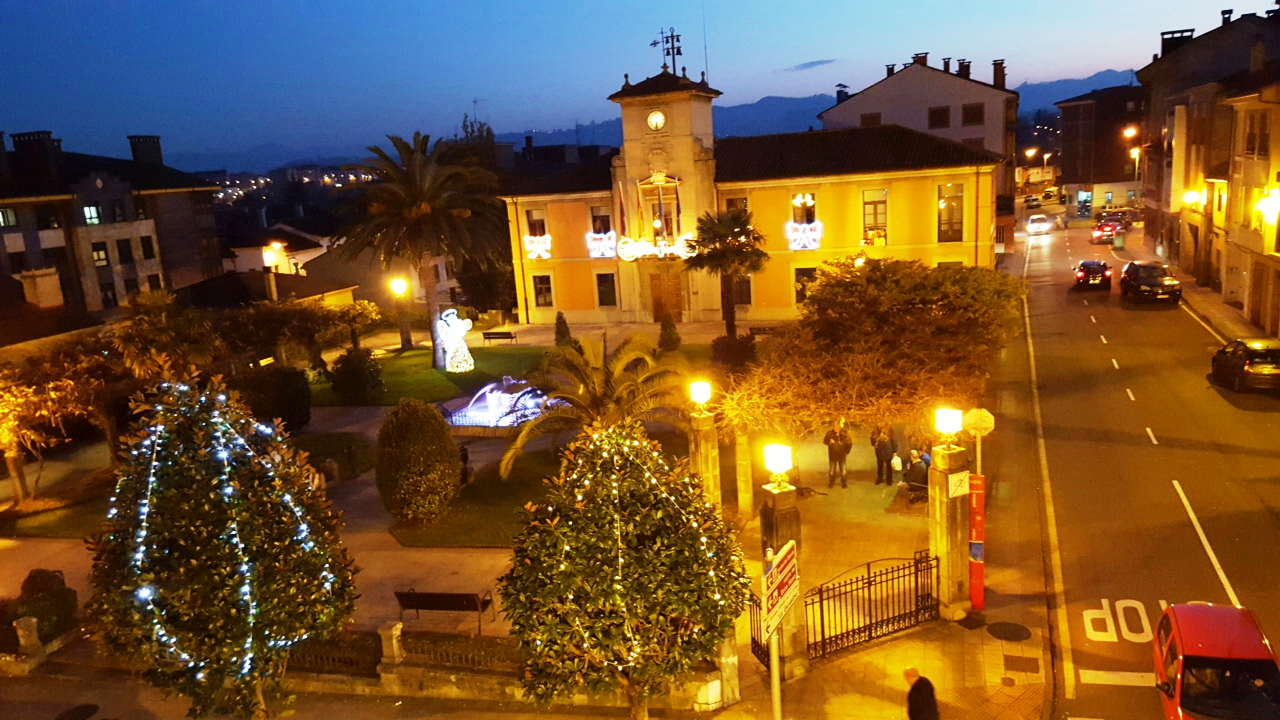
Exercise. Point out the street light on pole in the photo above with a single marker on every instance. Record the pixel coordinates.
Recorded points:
(1135, 153)
(777, 459)
(400, 289)
(704, 446)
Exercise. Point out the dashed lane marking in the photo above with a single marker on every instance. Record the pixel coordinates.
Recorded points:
(1213, 558)
(1093, 319)
(1109, 677)
(1104, 339)
(1086, 303)
(1115, 364)
(1153, 437)
(1130, 394)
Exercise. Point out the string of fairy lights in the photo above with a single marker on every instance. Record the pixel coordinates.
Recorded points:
(226, 440)
(629, 451)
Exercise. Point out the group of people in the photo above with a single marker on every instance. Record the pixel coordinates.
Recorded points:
(915, 471)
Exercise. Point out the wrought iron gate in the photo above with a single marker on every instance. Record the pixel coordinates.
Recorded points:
(853, 610)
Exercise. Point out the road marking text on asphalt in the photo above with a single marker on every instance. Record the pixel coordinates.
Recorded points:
(1153, 437)
(1130, 393)
(1115, 364)
(1104, 339)
(1213, 558)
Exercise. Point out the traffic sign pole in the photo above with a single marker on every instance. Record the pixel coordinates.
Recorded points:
(977, 541)
(775, 670)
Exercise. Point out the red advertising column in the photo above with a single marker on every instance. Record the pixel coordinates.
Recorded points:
(977, 540)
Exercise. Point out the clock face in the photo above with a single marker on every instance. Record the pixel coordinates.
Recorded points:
(657, 120)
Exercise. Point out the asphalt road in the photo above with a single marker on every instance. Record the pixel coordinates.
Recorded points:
(1130, 420)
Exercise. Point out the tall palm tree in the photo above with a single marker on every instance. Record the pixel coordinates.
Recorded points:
(727, 245)
(592, 384)
(420, 206)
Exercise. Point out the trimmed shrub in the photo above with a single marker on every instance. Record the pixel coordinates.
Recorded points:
(46, 597)
(668, 336)
(419, 469)
(357, 377)
(275, 391)
(564, 338)
(734, 353)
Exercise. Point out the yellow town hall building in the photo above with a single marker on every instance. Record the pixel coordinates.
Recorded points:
(604, 241)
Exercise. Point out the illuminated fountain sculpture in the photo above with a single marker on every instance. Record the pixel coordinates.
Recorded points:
(501, 404)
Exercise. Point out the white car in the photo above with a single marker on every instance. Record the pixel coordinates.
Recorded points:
(1039, 225)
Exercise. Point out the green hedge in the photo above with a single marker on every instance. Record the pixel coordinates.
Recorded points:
(46, 597)
(419, 470)
(357, 377)
(275, 391)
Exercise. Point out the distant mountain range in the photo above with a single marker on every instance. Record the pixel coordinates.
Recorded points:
(765, 116)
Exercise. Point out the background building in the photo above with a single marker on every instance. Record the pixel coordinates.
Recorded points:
(1101, 131)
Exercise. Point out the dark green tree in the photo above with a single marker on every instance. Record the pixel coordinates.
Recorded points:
(564, 336)
(419, 206)
(217, 553)
(727, 245)
(625, 577)
(419, 467)
(668, 335)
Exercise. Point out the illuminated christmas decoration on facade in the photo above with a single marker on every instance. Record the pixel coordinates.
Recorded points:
(537, 247)
(632, 250)
(602, 245)
(804, 236)
(453, 331)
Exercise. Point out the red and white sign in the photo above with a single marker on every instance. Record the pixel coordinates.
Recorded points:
(781, 587)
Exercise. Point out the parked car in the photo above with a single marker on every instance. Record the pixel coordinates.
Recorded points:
(1105, 232)
(1213, 661)
(1093, 273)
(1039, 224)
(1032, 202)
(1248, 363)
(1149, 280)
(1122, 217)
(1047, 194)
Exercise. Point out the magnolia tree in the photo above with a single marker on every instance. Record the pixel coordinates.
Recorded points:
(218, 552)
(626, 577)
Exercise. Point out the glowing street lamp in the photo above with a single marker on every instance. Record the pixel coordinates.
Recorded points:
(704, 446)
(777, 459)
(949, 423)
(400, 289)
(700, 393)
(1269, 206)
(1130, 132)
(1031, 152)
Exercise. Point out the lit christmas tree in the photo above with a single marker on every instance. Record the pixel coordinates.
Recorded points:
(626, 578)
(217, 553)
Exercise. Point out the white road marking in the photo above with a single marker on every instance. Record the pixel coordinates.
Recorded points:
(1093, 319)
(1051, 517)
(1226, 584)
(1086, 303)
(1104, 339)
(1130, 394)
(1115, 364)
(1153, 437)
(1109, 677)
(1205, 324)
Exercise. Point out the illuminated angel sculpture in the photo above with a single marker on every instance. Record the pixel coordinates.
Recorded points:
(453, 332)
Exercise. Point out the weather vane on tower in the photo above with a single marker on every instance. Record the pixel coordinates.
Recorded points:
(670, 43)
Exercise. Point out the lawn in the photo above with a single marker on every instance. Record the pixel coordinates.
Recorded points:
(484, 514)
(408, 374)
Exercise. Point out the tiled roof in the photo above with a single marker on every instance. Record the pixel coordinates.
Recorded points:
(852, 151)
(1246, 83)
(241, 289)
(664, 83)
(1116, 92)
(74, 167)
(898, 76)
(593, 175)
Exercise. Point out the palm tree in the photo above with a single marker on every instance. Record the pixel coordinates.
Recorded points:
(591, 384)
(727, 245)
(420, 206)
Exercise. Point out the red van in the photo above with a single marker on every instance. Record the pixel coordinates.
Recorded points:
(1213, 663)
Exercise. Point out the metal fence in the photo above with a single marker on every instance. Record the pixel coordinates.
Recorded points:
(849, 611)
(854, 610)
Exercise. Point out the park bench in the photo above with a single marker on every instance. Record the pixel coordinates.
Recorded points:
(447, 602)
(762, 330)
(498, 335)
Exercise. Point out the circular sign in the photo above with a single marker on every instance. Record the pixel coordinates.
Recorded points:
(979, 422)
(657, 120)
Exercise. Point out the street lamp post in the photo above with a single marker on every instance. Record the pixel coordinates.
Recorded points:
(400, 289)
(704, 447)
(949, 515)
(780, 524)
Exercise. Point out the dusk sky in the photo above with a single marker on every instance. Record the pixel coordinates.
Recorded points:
(233, 74)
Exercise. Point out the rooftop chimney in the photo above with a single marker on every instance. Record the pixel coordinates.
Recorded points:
(1171, 40)
(36, 156)
(146, 149)
(1226, 16)
(888, 69)
(962, 68)
(997, 73)
(920, 58)
(842, 93)
(946, 65)
(1257, 55)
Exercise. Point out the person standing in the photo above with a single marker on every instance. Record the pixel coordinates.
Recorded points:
(922, 703)
(886, 448)
(838, 447)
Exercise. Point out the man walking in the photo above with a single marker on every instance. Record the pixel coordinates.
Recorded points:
(885, 450)
(838, 447)
(922, 704)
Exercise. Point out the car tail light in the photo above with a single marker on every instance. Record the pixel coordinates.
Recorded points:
(1246, 367)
